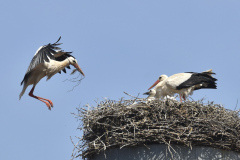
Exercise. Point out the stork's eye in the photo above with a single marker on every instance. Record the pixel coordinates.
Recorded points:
(74, 61)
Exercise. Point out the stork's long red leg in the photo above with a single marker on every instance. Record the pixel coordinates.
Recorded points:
(46, 101)
(184, 97)
(180, 98)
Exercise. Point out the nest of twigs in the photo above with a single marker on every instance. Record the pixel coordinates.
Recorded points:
(116, 124)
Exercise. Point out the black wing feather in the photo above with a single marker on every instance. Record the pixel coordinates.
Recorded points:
(58, 40)
(62, 58)
(206, 80)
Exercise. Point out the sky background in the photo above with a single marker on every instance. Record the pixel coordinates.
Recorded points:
(120, 46)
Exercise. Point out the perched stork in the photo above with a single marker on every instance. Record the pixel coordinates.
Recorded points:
(159, 91)
(47, 61)
(156, 94)
(162, 91)
(184, 83)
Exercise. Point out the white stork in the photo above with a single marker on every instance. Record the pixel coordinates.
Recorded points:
(184, 83)
(156, 94)
(161, 91)
(151, 94)
(47, 61)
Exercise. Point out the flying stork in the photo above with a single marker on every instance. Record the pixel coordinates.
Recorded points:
(47, 61)
(184, 83)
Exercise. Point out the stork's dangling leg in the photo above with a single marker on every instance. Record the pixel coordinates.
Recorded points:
(180, 98)
(184, 98)
(46, 101)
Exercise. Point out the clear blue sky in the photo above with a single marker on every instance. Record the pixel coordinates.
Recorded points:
(121, 46)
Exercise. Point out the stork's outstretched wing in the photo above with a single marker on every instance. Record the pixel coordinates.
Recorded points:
(43, 54)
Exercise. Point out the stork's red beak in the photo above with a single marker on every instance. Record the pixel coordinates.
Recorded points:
(154, 84)
(78, 68)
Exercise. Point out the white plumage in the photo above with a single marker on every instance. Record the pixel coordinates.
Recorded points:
(151, 94)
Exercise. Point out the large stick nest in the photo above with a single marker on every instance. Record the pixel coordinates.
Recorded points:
(135, 122)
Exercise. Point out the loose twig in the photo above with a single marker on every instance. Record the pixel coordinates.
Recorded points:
(75, 80)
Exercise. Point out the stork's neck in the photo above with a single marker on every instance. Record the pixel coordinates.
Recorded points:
(160, 85)
(54, 67)
(68, 61)
(63, 64)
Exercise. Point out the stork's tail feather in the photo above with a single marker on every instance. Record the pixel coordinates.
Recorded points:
(211, 85)
(22, 82)
(21, 94)
(23, 91)
(207, 81)
(211, 82)
(208, 72)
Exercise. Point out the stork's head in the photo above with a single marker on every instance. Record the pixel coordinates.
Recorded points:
(152, 92)
(160, 79)
(74, 63)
